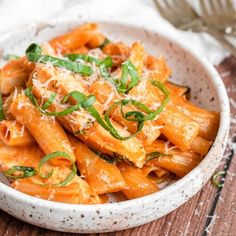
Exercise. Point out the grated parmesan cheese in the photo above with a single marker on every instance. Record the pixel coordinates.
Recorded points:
(22, 130)
(108, 101)
(7, 132)
(52, 195)
(20, 105)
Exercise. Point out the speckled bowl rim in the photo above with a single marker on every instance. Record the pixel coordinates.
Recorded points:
(221, 137)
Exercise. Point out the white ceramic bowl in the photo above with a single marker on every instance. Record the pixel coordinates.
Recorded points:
(207, 90)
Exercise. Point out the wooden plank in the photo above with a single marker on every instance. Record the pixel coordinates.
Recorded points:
(224, 215)
(189, 218)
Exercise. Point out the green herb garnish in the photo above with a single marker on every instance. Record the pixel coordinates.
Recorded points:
(49, 102)
(105, 42)
(103, 64)
(87, 103)
(75, 57)
(55, 155)
(84, 57)
(27, 172)
(34, 54)
(215, 179)
(2, 116)
(128, 69)
(138, 118)
(103, 156)
(153, 155)
(151, 115)
(128, 80)
(82, 100)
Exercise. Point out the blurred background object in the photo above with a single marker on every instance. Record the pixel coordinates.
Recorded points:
(184, 17)
(15, 13)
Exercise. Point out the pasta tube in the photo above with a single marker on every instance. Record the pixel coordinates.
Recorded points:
(156, 174)
(177, 127)
(74, 39)
(107, 95)
(48, 134)
(137, 56)
(160, 172)
(201, 145)
(101, 140)
(139, 184)
(15, 74)
(75, 193)
(93, 133)
(103, 177)
(177, 161)
(157, 68)
(118, 51)
(178, 90)
(24, 156)
(96, 40)
(207, 120)
(14, 134)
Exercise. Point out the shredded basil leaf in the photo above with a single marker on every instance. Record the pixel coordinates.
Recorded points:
(129, 73)
(27, 172)
(82, 100)
(84, 57)
(137, 116)
(151, 115)
(128, 69)
(105, 42)
(2, 116)
(166, 92)
(34, 54)
(114, 131)
(124, 79)
(54, 155)
(215, 179)
(49, 102)
(87, 103)
(103, 64)
(74, 57)
(104, 73)
(103, 156)
(107, 62)
(153, 155)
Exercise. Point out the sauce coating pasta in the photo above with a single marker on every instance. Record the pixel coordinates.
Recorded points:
(82, 117)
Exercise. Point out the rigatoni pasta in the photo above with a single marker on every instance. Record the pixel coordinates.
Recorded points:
(15, 74)
(55, 140)
(102, 176)
(82, 118)
(138, 184)
(14, 134)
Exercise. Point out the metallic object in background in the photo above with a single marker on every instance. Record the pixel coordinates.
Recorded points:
(184, 17)
(219, 14)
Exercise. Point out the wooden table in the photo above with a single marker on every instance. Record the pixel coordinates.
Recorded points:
(210, 212)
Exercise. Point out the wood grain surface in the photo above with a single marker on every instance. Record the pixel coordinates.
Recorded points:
(210, 212)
